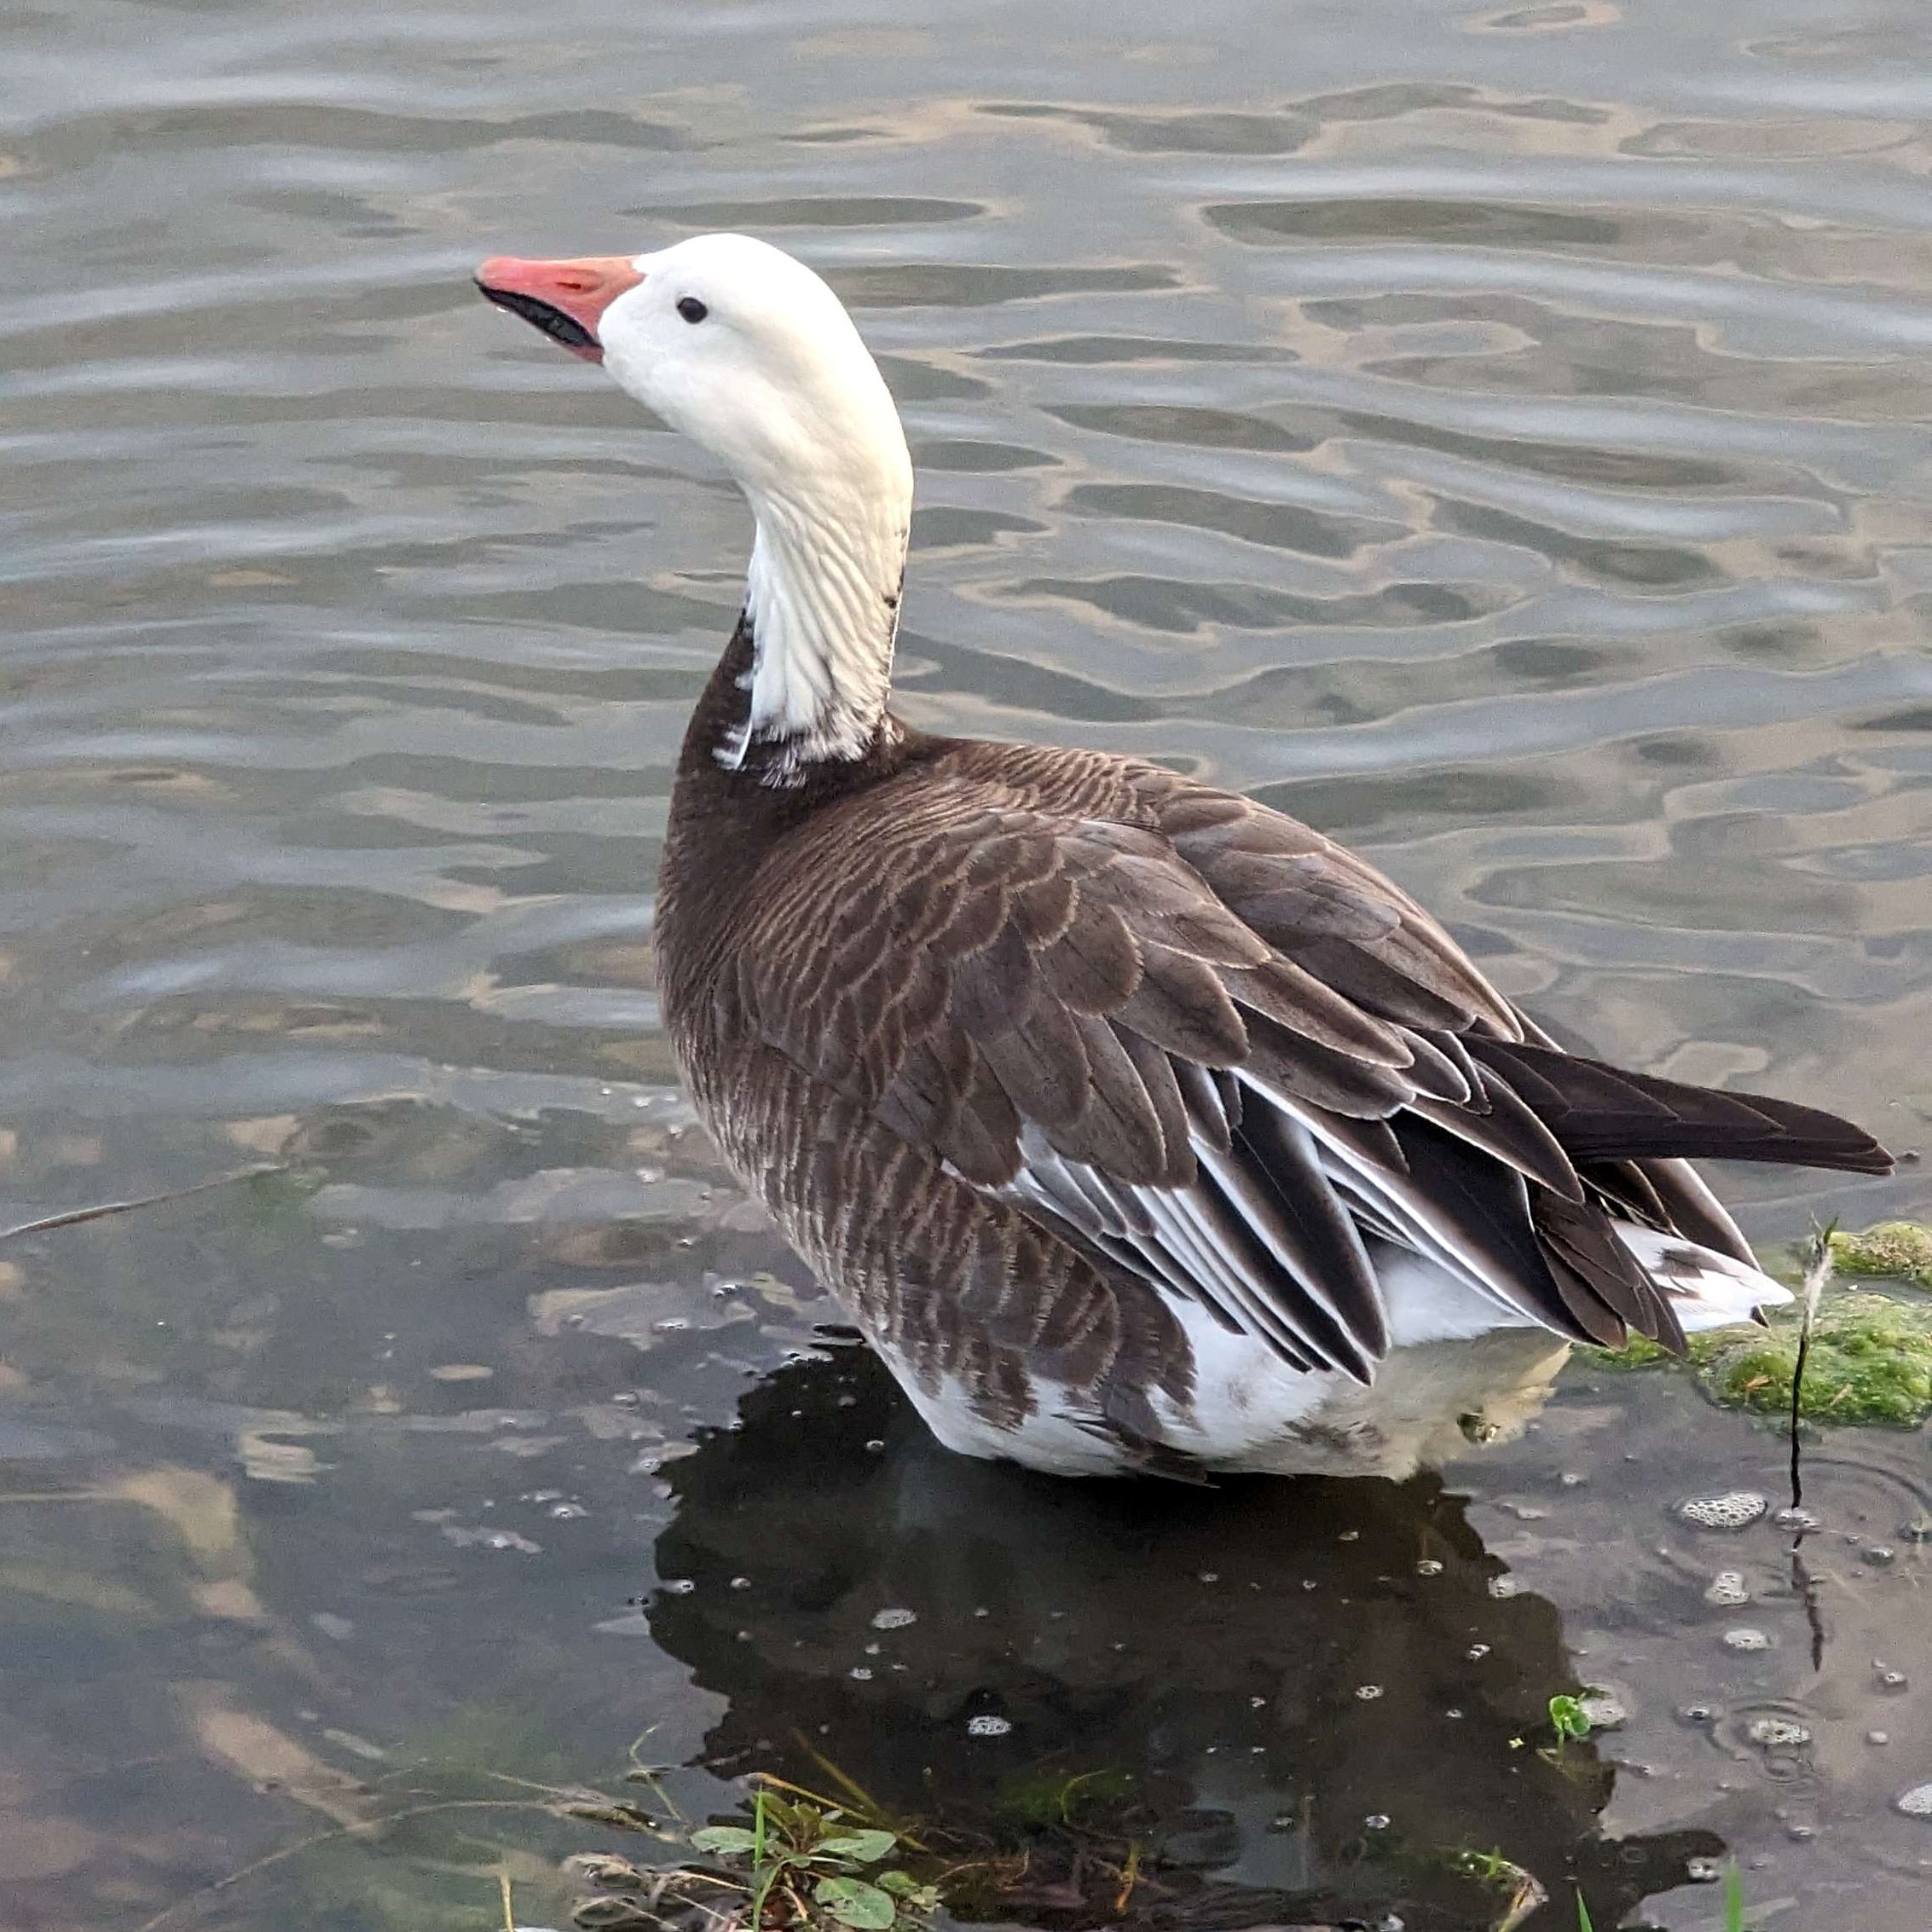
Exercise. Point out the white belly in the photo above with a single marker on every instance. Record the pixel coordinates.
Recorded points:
(1460, 1368)
(1457, 1373)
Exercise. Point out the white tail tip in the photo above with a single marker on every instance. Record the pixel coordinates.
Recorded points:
(1708, 1290)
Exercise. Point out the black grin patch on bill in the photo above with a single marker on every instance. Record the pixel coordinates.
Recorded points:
(554, 322)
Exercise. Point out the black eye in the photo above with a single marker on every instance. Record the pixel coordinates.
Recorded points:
(691, 308)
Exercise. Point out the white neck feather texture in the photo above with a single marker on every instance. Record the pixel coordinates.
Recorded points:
(822, 593)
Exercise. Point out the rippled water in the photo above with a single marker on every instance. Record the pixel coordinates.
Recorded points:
(1498, 436)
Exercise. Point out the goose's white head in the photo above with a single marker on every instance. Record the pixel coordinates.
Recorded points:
(748, 353)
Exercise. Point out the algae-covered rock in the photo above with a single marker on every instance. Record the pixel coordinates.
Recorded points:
(1871, 1361)
(1896, 1249)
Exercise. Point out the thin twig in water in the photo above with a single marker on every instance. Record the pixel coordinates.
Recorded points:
(1816, 1256)
(75, 1216)
(509, 1917)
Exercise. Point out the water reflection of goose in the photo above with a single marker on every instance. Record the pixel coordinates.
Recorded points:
(861, 1598)
(1139, 1126)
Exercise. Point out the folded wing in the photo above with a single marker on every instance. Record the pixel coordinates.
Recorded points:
(1195, 1037)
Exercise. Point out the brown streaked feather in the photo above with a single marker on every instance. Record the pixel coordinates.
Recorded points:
(1094, 965)
(1181, 1006)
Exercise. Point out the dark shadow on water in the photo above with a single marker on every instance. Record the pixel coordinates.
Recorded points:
(1303, 1697)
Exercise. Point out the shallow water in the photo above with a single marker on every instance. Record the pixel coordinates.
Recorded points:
(1498, 436)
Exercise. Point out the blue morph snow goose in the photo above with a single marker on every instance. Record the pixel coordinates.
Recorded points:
(1138, 1125)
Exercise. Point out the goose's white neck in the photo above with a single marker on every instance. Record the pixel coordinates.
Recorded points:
(822, 596)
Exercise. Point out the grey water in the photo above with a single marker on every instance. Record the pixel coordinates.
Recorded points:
(1497, 435)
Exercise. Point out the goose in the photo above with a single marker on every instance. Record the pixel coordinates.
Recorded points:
(1137, 1126)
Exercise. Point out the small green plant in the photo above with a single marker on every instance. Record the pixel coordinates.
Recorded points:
(1583, 1923)
(804, 1863)
(1570, 1718)
(798, 1851)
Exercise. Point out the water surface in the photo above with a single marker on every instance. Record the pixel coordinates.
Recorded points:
(1498, 436)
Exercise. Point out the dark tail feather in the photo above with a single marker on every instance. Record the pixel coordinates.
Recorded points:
(1602, 1112)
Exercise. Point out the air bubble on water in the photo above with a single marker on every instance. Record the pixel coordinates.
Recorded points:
(1894, 1681)
(1210, 1575)
(1878, 1737)
(873, 1650)
(1917, 1802)
(1744, 1638)
(1349, 1536)
(676, 1586)
(1477, 1652)
(988, 1726)
(741, 1583)
(876, 1446)
(1703, 1871)
(1736, 1509)
(893, 1618)
(1777, 1734)
(1257, 1703)
(1728, 1589)
(1572, 1478)
(1428, 1567)
(1879, 1554)
(983, 1612)
(1369, 1692)
(861, 1673)
(1699, 1713)
(1796, 1518)
(1377, 1821)
(568, 1511)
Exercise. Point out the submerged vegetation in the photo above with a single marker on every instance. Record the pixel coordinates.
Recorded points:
(1869, 1360)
